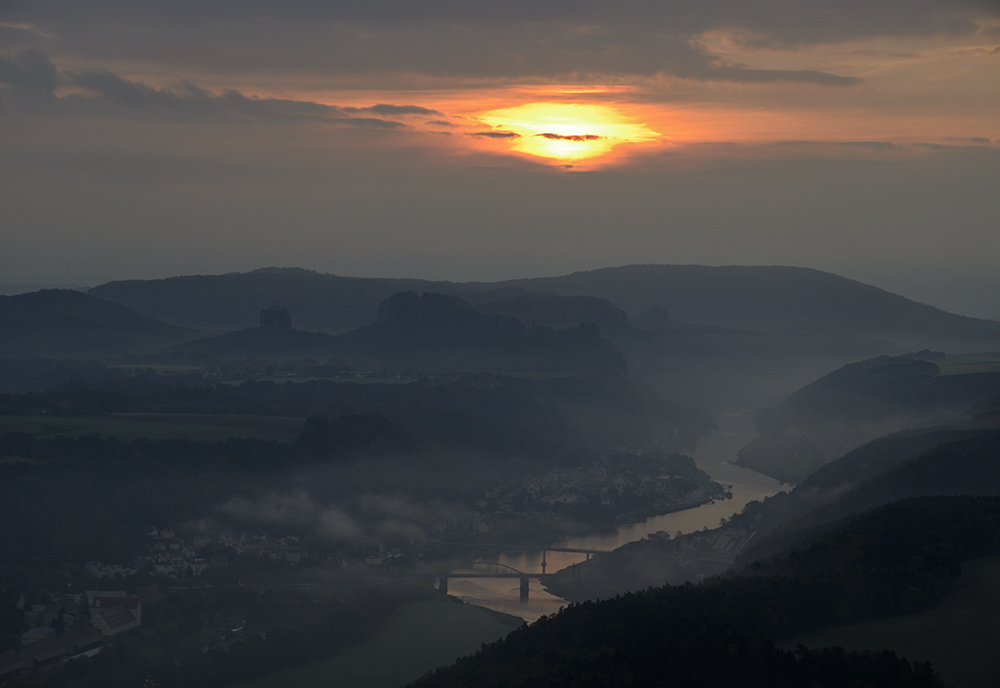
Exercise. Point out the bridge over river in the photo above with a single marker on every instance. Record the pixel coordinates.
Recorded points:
(497, 570)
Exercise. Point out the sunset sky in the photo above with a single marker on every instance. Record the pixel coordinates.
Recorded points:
(483, 140)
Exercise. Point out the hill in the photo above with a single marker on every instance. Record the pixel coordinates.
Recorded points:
(61, 323)
(857, 403)
(946, 461)
(766, 298)
(320, 302)
(718, 337)
(433, 333)
(895, 561)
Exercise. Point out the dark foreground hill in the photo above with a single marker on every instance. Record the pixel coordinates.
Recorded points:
(894, 561)
(61, 323)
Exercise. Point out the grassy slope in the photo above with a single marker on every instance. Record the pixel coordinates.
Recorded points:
(960, 636)
(420, 637)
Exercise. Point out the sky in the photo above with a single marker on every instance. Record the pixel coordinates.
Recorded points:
(466, 140)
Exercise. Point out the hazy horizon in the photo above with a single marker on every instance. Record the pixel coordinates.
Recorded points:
(464, 142)
(968, 302)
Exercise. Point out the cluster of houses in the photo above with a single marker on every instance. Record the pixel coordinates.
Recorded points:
(173, 557)
(56, 635)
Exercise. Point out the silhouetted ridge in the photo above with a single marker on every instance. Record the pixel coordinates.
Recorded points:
(63, 323)
(437, 332)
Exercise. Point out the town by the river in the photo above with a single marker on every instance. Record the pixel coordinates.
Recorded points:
(713, 455)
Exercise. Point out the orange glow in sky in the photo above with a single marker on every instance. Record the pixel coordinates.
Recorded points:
(566, 131)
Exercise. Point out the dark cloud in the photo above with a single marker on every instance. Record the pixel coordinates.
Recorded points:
(974, 140)
(401, 110)
(110, 94)
(370, 123)
(441, 123)
(496, 134)
(960, 145)
(870, 145)
(29, 70)
(555, 38)
(572, 137)
(774, 75)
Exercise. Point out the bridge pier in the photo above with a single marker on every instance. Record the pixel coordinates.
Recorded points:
(524, 590)
(443, 584)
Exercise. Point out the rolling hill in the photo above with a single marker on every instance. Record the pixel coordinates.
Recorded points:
(61, 323)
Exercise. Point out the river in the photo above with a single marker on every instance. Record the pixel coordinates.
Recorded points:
(712, 455)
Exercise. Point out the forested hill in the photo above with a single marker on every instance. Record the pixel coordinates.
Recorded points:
(894, 561)
(772, 299)
(765, 297)
(862, 401)
(62, 323)
(438, 333)
(317, 301)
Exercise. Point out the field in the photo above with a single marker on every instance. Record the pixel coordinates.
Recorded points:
(128, 426)
(420, 637)
(959, 637)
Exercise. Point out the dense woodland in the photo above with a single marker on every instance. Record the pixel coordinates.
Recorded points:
(896, 560)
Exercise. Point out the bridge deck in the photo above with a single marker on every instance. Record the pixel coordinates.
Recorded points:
(525, 548)
(489, 575)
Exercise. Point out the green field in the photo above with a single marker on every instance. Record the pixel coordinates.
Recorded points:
(420, 637)
(960, 636)
(129, 426)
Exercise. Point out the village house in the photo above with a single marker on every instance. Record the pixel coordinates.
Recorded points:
(114, 615)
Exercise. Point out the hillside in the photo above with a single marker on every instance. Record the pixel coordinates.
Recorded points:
(61, 323)
(770, 298)
(320, 302)
(897, 560)
(857, 403)
(952, 461)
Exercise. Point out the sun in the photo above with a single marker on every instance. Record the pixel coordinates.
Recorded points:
(565, 131)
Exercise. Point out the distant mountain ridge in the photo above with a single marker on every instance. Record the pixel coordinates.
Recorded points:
(760, 297)
(755, 298)
(719, 337)
(63, 323)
